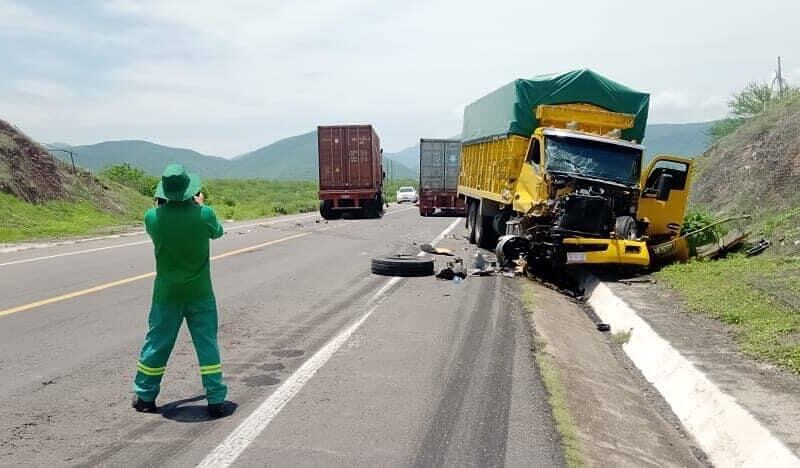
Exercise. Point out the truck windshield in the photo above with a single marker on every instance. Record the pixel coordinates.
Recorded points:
(593, 159)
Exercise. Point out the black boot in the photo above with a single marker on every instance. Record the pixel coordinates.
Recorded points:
(217, 410)
(144, 406)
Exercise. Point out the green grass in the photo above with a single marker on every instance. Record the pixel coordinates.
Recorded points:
(26, 221)
(759, 297)
(248, 199)
(556, 393)
(621, 338)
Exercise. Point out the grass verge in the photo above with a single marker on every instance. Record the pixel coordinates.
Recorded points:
(758, 297)
(22, 221)
(556, 394)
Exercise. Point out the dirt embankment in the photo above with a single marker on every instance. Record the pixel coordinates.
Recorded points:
(30, 173)
(27, 170)
(755, 170)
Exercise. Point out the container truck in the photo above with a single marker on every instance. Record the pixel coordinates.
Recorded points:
(439, 163)
(350, 171)
(553, 165)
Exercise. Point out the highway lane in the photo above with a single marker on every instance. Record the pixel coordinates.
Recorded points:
(438, 373)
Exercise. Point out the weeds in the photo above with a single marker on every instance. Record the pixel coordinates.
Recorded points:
(756, 296)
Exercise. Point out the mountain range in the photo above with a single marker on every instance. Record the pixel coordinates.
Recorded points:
(295, 158)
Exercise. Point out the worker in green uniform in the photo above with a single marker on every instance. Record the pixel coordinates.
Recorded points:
(181, 229)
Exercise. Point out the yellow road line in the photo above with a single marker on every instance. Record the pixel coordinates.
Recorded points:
(113, 284)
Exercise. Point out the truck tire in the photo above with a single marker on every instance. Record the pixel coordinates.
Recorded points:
(472, 216)
(371, 208)
(326, 210)
(626, 228)
(402, 265)
(485, 235)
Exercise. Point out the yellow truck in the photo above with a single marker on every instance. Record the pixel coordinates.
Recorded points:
(552, 168)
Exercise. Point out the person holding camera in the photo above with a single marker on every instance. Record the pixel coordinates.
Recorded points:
(181, 227)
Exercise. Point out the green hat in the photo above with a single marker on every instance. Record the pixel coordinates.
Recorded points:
(177, 184)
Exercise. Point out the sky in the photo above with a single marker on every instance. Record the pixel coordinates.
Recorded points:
(227, 77)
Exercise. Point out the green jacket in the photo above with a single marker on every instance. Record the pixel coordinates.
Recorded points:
(181, 232)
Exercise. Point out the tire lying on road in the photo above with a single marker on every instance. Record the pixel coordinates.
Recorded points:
(402, 265)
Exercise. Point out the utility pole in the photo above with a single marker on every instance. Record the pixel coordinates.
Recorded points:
(71, 156)
(779, 80)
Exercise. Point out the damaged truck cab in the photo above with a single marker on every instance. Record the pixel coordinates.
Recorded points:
(573, 190)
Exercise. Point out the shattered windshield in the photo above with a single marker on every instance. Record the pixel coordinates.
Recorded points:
(593, 159)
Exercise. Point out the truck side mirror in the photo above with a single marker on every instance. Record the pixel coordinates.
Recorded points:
(663, 187)
(384, 174)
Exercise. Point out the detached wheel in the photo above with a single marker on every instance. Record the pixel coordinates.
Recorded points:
(626, 228)
(402, 265)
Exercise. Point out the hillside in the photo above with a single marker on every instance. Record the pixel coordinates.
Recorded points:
(755, 170)
(41, 197)
(293, 158)
(150, 157)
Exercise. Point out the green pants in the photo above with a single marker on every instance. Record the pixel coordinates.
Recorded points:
(164, 323)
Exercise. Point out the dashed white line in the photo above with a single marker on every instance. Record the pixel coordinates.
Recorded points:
(235, 444)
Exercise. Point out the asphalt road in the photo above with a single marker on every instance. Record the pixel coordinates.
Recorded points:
(329, 365)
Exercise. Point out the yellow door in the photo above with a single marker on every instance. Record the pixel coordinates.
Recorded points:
(530, 186)
(665, 216)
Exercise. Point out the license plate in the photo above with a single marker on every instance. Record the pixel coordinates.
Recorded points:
(576, 257)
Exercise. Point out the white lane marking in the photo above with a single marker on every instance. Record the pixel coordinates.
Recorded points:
(98, 249)
(130, 244)
(232, 447)
(67, 254)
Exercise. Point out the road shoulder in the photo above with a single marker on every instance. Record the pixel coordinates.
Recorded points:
(619, 420)
(767, 392)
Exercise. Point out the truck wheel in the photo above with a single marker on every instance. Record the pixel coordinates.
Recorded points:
(626, 228)
(472, 215)
(402, 265)
(326, 210)
(485, 235)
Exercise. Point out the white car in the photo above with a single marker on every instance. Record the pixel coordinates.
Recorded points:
(407, 194)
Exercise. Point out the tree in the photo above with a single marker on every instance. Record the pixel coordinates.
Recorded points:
(754, 99)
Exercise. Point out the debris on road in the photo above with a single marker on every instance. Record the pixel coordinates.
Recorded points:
(479, 262)
(454, 269)
(428, 248)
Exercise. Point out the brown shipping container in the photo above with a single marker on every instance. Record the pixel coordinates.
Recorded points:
(349, 158)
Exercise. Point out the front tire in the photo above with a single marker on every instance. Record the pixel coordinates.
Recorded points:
(626, 228)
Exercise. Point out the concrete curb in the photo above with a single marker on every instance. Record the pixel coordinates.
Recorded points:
(727, 432)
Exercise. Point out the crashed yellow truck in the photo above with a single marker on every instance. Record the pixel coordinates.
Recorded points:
(552, 173)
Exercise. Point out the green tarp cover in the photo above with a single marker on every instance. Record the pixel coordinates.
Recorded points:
(512, 108)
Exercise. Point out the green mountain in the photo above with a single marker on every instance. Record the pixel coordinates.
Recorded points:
(689, 139)
(150, 157)
(293, 158)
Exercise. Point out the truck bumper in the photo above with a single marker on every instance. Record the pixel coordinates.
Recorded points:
(347, 199)
(447, 201)
(606, 251)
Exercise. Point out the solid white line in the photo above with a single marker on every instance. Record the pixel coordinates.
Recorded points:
(232, 447)
(130, 244)
(266, 222)
(67, 254)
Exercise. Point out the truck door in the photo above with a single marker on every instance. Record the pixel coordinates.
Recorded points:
(665, 216)
(530, 185)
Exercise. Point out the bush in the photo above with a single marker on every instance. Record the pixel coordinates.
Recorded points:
(696, 219)
(132, 177)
